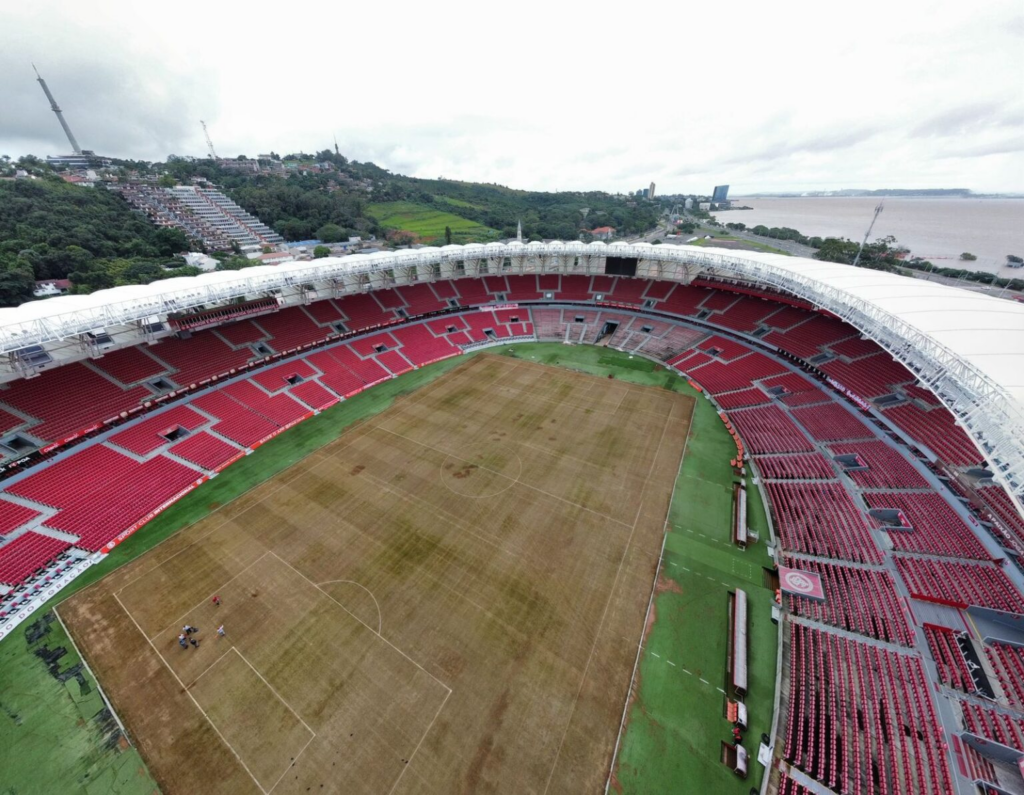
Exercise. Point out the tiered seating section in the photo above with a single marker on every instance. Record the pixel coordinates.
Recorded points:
(861, 718)
(858, 600)
(938, 530)
(949, 659)
(821, 519)
(887, 467)
(959, 584)
(770, 430)
(993, 725)
(27, 554)
(812, 466)
(1008, 664)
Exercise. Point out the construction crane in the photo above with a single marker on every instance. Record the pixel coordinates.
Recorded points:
(56, 110)
(878, 211)
(209, 143)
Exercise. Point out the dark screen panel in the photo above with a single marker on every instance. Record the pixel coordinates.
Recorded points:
(620, 266)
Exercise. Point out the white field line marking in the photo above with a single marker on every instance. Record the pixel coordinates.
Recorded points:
(524, 485)
(512, 482)
(705, 681)
(208, 596)
(351, 431)
(201, 675)
(671, 663)
(272, 690)
(201, 710)
(608, 601)
(380, 614)
(339, 604)
(656, 655)
(650, 603)
(424, 737)
(291, 764)
(312, 734)
(720, 690)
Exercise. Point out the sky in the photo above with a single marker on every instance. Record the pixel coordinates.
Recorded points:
(540, 95)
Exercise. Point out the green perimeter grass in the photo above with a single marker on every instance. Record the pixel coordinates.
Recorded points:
(672, 739)
(743, 244)
(49, 742)
(675, 726)
(429, 222)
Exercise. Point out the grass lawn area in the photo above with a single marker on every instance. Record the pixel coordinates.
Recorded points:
(675, 726)
(47, 741)
(671, 744)
(739, 243)
(429, 222)
(456, 202)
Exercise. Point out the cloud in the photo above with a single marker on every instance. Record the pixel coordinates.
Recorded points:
(544, 99)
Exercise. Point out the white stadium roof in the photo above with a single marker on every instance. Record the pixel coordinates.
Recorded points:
(968, 347)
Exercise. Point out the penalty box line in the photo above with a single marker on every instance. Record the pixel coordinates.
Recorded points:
(187, 690)
(197, 605)
(189, 694)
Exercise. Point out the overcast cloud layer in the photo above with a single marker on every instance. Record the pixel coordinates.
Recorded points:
(541, 95)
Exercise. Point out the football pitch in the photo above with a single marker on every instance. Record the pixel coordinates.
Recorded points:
(446, 598)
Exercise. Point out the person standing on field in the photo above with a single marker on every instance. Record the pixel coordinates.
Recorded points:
(220, 631)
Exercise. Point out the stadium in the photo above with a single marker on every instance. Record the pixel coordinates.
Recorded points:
(555, 517)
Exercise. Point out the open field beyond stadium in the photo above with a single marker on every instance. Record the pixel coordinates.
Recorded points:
(447, 598)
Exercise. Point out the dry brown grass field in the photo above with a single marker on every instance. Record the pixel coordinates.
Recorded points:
(446, 598)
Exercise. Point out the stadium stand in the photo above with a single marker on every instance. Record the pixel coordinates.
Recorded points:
(1008, 664)
(314, 395)
(888, 468)
(243, 332)
(742, 399)
(767, 429)
(235, 421)
(812, 466)
(860, 718)
(937, 529)
(789, 786)
(821, 519)
(27, 554)
(206, 451)
(362, 311)
(199, 357)
(830, 422)
(146, 436)
(276, 378)
(993, 725)
(937, 430)
(949, 658)
(718, 377)
(70, 399)
(279, 409)
(13, 516)
(959, 584)
(858, 600)
(130, 365)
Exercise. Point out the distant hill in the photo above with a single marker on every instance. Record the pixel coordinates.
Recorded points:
(50, 229)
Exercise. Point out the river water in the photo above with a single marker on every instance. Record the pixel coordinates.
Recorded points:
(936, 229)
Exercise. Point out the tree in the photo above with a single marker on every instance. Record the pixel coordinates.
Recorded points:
(447, 235)
(968, 256)
(331, 233)
(170, 241)
(166, 181)
(320, 252)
